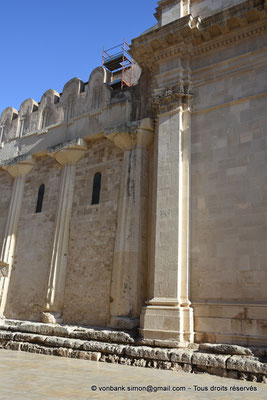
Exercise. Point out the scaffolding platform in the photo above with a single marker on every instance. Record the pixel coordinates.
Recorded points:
(116, 84)
(117, 61)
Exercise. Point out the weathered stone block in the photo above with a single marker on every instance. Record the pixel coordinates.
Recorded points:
(182, 356)
(246, 365)
(209, 360)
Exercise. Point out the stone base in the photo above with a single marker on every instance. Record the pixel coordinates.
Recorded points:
(123, 323)
(243, 324)
(122, 348)
(52, 318)
(167, 323)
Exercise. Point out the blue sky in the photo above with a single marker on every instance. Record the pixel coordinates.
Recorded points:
(44, 43)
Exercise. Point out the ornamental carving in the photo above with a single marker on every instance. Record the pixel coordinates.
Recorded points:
(171, 98)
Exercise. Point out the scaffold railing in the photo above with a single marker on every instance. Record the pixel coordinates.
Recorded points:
(119, 63)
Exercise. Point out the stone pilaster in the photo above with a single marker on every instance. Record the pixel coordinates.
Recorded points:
(67, 157)
(18, 172)
(129, 275)
(168, 314)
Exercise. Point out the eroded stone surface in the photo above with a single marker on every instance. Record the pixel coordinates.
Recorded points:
(244, 367)
(225, 349)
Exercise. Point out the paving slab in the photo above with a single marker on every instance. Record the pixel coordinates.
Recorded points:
(26, 376)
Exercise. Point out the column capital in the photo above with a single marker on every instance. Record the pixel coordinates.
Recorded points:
(135, 134)
(169, 98)
(71, 153)
(20, 168)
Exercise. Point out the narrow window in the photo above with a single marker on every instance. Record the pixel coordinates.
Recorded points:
(40, 198)
(96, 188)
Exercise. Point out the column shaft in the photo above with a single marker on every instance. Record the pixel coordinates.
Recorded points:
(10, 236)
(18, 172)
(128, 285)
(168, 314)
(57, 276)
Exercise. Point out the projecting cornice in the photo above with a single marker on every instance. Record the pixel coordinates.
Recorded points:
(190, 36)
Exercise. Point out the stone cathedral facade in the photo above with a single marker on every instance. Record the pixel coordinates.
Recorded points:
(147, 206)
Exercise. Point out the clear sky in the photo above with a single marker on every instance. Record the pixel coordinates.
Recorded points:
(45, 43)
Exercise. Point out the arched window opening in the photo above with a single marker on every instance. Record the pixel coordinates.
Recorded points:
(96, 188)
(40, 199)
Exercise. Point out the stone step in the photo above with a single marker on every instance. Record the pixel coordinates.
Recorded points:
(122, 347)
(68, 331)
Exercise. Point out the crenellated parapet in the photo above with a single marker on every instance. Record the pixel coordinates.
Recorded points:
(76, 99)
(83, 109)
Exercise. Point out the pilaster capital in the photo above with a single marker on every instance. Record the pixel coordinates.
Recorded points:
(69, 153)
(170, 98)
(121, 139)
(20, 168)
(135, 134)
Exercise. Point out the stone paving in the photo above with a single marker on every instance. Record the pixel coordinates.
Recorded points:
(32, 376)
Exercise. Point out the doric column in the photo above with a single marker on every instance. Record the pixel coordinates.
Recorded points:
(168, 314)
(18, 172)
(129, 274)
(67, 157)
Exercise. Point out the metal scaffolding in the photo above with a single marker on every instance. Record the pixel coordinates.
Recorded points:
(119, 63)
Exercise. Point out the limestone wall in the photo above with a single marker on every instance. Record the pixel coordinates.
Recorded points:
(205, 8)
(92, 235)
(29, 278)
(229, 233)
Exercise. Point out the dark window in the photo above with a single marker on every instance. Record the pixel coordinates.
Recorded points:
(96, 188)
(40, 198)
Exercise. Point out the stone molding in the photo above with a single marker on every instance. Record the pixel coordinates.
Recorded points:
(71, 153)
(191, 36)
(171, 98)
(21, 167)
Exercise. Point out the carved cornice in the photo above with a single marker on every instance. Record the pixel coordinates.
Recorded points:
(70, 153)
(20, 166)
(190, 36)
(226, 40)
